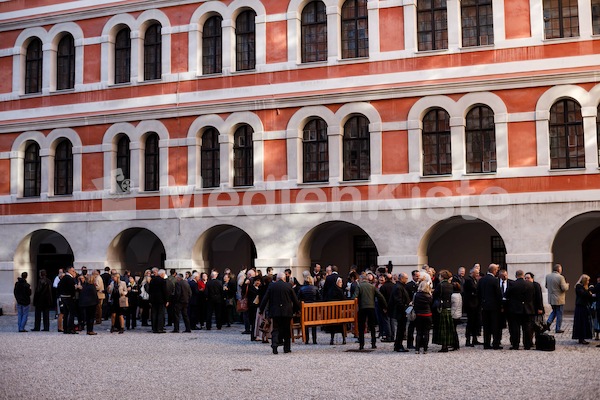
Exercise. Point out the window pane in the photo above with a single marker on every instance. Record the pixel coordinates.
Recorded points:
(123, 56)
(357, 154)
(315, 151)
(153, 53)
(151, 163)
(33, 67)
(212, 43)
(210, 169)
(63, 168)
(245, 41)
(437, 152)
(355, 30)
(243, 159)
(65, 63)
(567, 148)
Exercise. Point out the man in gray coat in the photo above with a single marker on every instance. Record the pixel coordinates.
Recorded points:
(557, 289)
(365, 293)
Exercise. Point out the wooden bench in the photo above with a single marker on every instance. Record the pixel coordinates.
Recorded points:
(329, 313)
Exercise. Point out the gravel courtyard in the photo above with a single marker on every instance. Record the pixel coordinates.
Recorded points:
(226, 365)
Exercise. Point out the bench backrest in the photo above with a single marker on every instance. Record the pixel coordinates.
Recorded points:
(329, 312)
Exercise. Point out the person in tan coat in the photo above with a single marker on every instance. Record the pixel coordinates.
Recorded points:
(557, 289)
(101, 296)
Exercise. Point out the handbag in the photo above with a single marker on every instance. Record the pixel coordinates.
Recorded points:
(411, 315)
(123, 302)
(242, 305)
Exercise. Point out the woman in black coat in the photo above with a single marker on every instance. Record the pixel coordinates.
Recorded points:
(444, 331)
(422, 306)
(88, 299)
(309, 293)
(336, 294)
(582, 322)
(254, 299)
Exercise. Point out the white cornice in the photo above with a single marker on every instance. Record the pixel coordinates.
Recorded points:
(171, 109)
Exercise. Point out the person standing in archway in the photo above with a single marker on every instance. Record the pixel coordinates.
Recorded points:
(557, 289)
(42, 300)
(22, 294)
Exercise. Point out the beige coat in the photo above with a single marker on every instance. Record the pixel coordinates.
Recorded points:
(100, 288)
(557, 288)
(122, 288)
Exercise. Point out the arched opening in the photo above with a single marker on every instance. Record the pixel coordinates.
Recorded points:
(576, 247)
(42, 249)
(136, 249)
(224, 246)
(462, 241)
(339, 243)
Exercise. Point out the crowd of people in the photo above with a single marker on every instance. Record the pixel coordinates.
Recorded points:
(425, 307)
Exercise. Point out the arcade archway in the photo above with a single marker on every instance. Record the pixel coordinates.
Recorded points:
(462, 241)
(339, 243)
(576, 247)
(136, 249)
(224, 246)
(43, 249)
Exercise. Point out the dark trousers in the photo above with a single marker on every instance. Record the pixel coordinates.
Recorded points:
(193, 311)
(516, 323)
(98, 316)
(217, 310)
(39, 311)
(423, 326)
(171, 313)
(314, 334)
(69, 318)
(131, 316)
(491, 328)
(410, 335)
(89, 315)
(181, 311)
(364, 315)
(281, 333)
(401, 318)
(252, 310)
(473, 328)
(105, 309)
(145, 305)
(158, 317)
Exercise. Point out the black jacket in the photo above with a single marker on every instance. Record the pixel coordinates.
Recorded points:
(43, 294)
(519, 297)
(490, 296)
(470, 296)
(214, 291)
(329, 286)
(308, 294)
(422, 303)
(281, 299)
(88, 296)
(158, 291)
(398, 301)
(22, 292)
(66, 286)
(195, 296)
(583, 297)
(443, 293)
(183, 292)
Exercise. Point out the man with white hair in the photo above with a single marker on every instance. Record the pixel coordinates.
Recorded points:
(158, 299)
(214, 301)
(282, 302)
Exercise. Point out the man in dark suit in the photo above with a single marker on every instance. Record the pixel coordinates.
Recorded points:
(66, 291)
(158, 299)
(472, 307)
(398, 301)
(411, 288)
(520, 297)
(330, 282)
(282, 302)
(490, 298)
(214, 301)
(183, 292)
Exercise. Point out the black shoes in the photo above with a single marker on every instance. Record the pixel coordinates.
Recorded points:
(275, 350)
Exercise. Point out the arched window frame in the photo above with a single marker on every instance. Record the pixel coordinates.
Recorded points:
(152, 163)
(123, 164)
(123, 56)
(243, 156)
(314, 32)
(432, 25)
(565, 127)
(210, 158)
(63, 168)
(480, 138)
(65, 63)
(357, 149)
(34, 66)
(153, 52)
(355, 29)
(32, 170)
(245, 41)
(315, 151)
(436, 142)
(212, 45)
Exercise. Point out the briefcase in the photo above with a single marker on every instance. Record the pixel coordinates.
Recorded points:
(545, 342)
